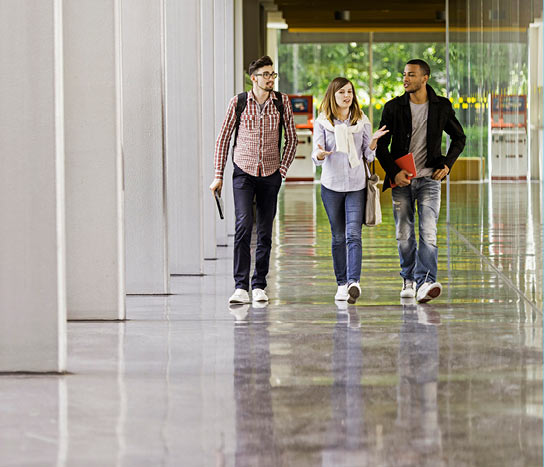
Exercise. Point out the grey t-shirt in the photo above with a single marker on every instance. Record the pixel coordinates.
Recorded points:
(418, 143)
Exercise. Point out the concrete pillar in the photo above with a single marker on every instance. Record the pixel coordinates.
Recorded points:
(207, 126)
(224, 28)
(143, 151)
(94, 175)
(32, 251)
(183, 132)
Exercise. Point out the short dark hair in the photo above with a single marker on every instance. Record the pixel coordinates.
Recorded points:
(259, 63)
(422, 64)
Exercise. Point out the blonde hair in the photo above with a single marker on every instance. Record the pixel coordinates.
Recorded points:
(330, 108)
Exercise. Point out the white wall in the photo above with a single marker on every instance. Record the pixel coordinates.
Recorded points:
(32, 253)
(94, 179)
(145, 202)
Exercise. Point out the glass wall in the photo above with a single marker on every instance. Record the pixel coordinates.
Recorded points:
(308, 69)
(495, 75)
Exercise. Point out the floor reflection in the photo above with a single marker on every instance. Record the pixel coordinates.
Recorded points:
(345, 431)
(256, 443)
(417, 390)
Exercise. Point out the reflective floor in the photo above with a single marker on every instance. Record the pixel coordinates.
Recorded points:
(303, 381)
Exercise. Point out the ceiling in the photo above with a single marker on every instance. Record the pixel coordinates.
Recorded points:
(423, 16)
(364, 15)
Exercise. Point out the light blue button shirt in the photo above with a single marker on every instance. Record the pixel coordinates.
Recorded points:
(337, 174)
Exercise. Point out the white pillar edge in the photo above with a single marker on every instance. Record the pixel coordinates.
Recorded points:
(60, 186)
(121, 310)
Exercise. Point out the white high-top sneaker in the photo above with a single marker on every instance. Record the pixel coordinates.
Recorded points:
(408, 289)
(428, 291)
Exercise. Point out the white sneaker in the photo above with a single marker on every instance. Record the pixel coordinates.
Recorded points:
(239, 296)
(354, 291)
(342, 293)
(259, 295)
(428, 291)
(408, 289)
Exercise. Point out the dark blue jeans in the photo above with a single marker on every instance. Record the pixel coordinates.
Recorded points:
(265, 192)
(345, 212)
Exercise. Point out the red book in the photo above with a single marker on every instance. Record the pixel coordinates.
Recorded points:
(407, 163)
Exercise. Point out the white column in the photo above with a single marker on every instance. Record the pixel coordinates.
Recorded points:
(207, 126)
(32, 251)
(145, 203)
(184, 146)
(94, 176)
(224, 28)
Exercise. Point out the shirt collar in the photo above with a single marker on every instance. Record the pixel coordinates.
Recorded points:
(251, 96)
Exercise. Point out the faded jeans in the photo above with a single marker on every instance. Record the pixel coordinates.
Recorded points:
(345, 211)
(419, 264)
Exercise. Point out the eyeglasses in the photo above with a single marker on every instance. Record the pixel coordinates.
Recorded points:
(267, 75)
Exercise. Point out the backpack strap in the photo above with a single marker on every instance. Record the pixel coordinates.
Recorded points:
(241, 103)
(278, 102)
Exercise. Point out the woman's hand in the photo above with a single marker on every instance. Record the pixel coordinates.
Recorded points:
(321, 154)
(376, 136)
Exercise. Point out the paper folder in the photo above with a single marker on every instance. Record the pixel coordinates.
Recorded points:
(407, 163)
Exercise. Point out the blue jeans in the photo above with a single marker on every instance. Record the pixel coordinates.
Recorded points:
(345, 212)
(419, 264)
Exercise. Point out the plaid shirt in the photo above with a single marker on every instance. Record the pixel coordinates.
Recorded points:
(256, 151)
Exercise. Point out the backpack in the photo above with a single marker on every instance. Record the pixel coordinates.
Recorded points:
(241, 105)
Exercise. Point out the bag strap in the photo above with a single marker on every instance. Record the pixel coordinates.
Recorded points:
(240, 107)
(278, 102)
(367, 167)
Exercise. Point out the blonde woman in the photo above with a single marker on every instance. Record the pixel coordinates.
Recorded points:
(342, 138)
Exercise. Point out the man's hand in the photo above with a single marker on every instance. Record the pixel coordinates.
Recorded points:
(321, 154)
(401, 179)
(217, 185)
(439, 174)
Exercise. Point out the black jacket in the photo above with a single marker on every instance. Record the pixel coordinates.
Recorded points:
(398, 119)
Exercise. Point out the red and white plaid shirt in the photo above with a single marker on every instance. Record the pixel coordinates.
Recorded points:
(257, 152)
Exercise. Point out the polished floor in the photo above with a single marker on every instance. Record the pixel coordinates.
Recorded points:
(186, 381)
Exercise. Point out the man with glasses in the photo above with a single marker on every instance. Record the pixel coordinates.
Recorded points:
(416, 121)
(256, 119)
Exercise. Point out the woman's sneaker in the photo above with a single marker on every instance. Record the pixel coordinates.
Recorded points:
(428, 291)
(408, 289)
(342, 293)
(354, 291)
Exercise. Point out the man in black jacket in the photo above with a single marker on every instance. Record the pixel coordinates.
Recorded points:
(415, 122)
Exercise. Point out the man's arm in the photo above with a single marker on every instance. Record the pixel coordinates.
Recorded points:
(458, 138)
(223, 140)
(291, 140)
(382, 151)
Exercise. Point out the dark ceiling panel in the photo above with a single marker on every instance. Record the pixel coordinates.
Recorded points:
(391, 15)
